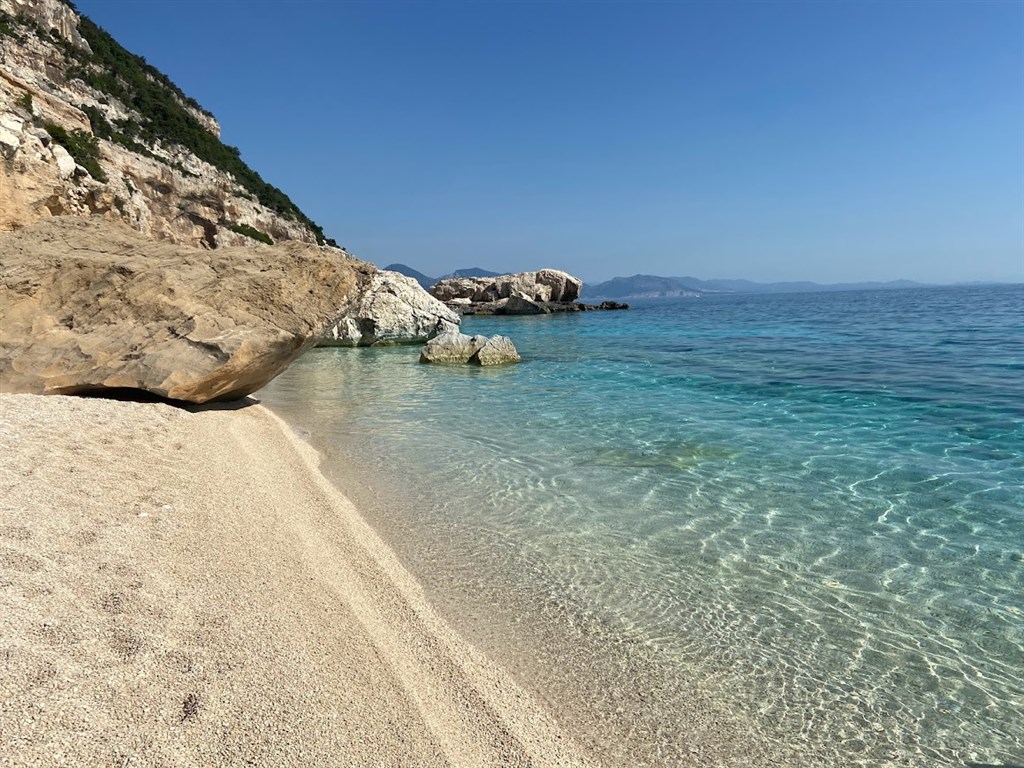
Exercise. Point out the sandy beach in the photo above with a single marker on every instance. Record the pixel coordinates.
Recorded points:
(183, 587)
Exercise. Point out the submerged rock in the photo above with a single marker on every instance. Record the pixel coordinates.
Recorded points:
(88, 305)
(460, 348)
(393, 309)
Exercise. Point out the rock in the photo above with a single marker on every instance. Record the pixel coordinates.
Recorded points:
(462, 289)
(65, 163)
(11, 122)
(88, 305)
(9, 138)
(460, 348)
(394, 309)
(452, 347)
(564, 287)
(492, 307)
(497, 351)
(545, 285)
(517, 304)
(163, 190)
(612, 305)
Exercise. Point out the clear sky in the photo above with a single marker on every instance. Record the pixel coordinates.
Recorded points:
(765, 140)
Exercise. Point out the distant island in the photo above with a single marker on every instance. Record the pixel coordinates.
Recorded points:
(641, 287)
(656, 286)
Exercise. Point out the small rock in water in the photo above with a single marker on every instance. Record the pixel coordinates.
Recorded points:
(459, 348)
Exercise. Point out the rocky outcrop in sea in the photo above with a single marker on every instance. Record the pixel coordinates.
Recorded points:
(460, 348)
(393, 309)
(524, 293)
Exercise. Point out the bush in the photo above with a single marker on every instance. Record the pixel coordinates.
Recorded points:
(113, 71)
(7, 25)
(82, 146)
(255, 234)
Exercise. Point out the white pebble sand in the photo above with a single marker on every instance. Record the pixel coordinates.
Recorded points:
(182, 587)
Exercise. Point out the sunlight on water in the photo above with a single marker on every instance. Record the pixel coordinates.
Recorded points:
(805, 513)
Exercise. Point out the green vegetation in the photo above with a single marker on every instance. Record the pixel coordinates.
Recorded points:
(25, 102)
(82, 146)
(7, 25)
(166, 117)
(255, 234)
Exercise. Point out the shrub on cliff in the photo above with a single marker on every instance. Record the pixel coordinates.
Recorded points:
(166, 115)
(255, 234)
(82, 146)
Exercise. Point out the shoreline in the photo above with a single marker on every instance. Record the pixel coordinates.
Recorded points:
(625, 702)
(184, 586)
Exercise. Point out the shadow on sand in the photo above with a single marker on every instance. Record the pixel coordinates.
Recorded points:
(129, 395)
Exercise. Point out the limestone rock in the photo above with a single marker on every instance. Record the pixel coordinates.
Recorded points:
(497, 351)
(88, 305)
(468, 289)
(460, 348)
(65, 163)
(167, 192)
(545, 285)
(517, 304)
(394, 309)
(452, 347)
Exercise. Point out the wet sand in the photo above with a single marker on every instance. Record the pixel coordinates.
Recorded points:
(183, 587)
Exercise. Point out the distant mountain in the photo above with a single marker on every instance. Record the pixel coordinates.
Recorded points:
(802, 286)
(472, 272)
(419, 277)
(426, 281)
(641, 286)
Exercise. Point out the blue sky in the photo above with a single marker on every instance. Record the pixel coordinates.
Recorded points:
(823, 140)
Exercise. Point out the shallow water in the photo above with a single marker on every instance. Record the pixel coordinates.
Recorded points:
(791, 523)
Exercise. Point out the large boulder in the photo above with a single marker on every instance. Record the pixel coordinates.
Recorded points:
(517, 304)
(497, 350)
(545, 285)
(87, 305)
(563, 286)
(460, 348)
(394, 309)
(468, 289)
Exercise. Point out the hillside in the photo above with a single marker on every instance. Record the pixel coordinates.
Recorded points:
(416, 275)
(640, 286)
(800, 286)
(427, 281)
(86, 127)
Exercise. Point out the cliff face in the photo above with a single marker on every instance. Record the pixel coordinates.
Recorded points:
(88, 128)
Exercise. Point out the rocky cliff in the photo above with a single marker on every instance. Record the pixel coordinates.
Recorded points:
(88, 128)
(91, 139)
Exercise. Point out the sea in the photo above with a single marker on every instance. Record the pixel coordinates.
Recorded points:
(732, 530)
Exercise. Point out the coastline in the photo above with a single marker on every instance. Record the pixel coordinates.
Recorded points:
(183, 586)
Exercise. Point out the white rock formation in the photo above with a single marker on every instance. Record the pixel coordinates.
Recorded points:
(394, 309)
(546, 285)
(459, 348)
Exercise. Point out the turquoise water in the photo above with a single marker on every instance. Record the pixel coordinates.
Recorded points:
(793, 522)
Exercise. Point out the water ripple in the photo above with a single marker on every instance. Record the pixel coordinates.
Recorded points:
(809, 507)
